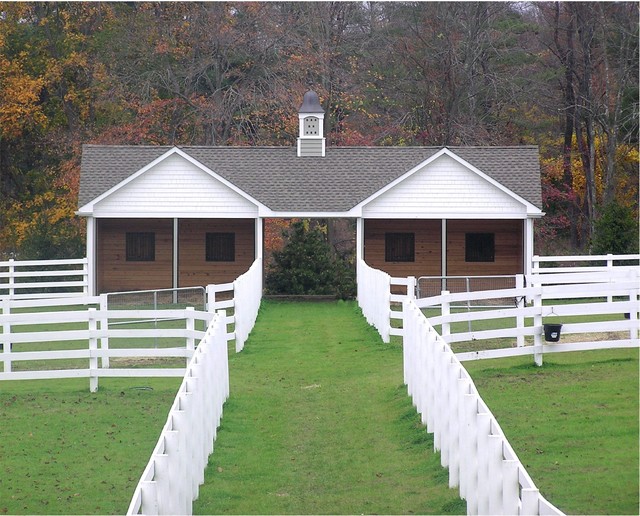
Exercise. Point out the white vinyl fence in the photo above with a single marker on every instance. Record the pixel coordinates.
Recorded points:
(609, 298)
(43, 278)
(170, 482)
(480, 460)
(36, 336)
(243, 297)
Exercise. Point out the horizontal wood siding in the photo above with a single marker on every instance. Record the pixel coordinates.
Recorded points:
(115, 273)
(508, 247)
(194, 270)
(427, 246)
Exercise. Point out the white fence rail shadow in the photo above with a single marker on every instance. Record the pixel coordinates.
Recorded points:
(30, 279)
(480, 460)
(170, 482)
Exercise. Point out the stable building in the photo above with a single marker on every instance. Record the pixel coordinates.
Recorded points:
(168, 217)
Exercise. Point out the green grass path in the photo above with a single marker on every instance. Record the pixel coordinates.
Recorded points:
(319, 422)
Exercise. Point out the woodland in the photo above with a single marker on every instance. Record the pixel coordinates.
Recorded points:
(560, 75)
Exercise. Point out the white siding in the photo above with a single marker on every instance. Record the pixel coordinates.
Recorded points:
(444, 189)
(175, 188)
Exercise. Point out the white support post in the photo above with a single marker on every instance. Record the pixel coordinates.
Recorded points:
(520, 304)
(259, 238)
(190, 344)
(6, 333)
(93, 347)
(12, 271)
(537, 324)
(211, 298)
(91, 256)
(446, 310)
(104, 329)
(359, 239)
(176, 250)
(443, 254)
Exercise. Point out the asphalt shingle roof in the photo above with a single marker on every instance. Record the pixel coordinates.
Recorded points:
(281, 180)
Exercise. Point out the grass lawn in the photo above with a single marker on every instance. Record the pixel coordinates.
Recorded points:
(65, 450)
(319, 423)
(573, 424)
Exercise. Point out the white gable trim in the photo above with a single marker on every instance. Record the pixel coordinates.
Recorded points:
(531, 210)
(88, 208)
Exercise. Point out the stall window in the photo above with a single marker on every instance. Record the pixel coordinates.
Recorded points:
(480, 247)
(141, 247)
(221, 247)
(399, 247)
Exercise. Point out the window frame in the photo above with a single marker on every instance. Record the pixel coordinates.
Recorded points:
(219, 250)
(140, 246)
(480, 247)
(400, 247)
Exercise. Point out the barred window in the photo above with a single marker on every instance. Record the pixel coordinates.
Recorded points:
(399, 247)
(221, 247)
(141, 247)
(480, 247)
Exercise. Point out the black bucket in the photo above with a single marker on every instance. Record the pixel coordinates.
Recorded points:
(552, 332)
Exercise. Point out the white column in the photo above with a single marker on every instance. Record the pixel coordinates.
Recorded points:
(528, 246)
(359, 239)
(91, 255)
(175, 252)
(259, 238)
(443, 256)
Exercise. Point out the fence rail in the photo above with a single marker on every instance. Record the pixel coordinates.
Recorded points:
(170, 482)
(33, 279)
(91, 339)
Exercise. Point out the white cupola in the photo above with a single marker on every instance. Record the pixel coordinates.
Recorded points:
(311, 135)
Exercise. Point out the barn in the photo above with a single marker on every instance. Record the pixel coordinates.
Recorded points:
(167, 217)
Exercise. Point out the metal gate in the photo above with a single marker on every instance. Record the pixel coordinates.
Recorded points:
(428, 286)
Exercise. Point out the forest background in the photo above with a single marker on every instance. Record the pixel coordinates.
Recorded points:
(561, 75)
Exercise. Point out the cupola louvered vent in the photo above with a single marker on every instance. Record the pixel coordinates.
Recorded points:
(311, 140)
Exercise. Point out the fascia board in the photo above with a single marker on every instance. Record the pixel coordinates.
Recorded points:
(87, 209)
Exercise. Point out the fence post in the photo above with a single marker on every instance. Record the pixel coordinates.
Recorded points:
(6, 332)
(93, 347)
(537, 325)
(12, 270)
(609, 271)
(211, 298)
(445, 310)
(104, 328)
(190, 321)
(520, 304)
(634, 295)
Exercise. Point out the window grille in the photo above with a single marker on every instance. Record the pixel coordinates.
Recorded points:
(399, 247)
(141, 247)
(480, 247)
(221, 247)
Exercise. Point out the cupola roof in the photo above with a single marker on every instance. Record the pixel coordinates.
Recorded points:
(311, 103)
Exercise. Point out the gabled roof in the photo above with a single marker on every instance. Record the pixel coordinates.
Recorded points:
(284, 182)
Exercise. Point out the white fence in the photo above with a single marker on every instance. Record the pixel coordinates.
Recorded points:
(90, 339)
(43, 278)
(609, 293)
(243, 297)
(170, 482)
(472, 446)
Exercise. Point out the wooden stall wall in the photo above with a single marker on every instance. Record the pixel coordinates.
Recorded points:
(115, 273)
(509, 241)
(194, 269)
(427, 246)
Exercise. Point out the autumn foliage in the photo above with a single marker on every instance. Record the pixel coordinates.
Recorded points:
(560, 75)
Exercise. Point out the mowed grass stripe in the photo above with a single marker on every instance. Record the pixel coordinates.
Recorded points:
(319, 422)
